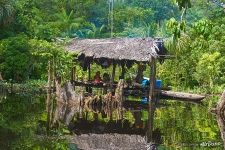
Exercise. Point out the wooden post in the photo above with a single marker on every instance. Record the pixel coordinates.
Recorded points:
(72, 78)
(152, 80)
(150, 123)
(123, 70)
(89, 72)
(89, 76)
(151, 98)
(72, 75)
(113, 76)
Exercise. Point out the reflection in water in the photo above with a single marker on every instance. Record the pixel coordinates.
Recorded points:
(104, 127)
(220, 114)
(176, 125)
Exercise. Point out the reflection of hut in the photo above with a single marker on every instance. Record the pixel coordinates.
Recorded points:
(121, 51)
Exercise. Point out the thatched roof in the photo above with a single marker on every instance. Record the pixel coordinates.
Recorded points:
(136, 49)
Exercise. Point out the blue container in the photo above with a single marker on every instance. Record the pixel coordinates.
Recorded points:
(144, 100)
(158, 84)
(144, 83)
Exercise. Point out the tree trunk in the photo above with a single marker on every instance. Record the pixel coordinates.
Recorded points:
(220, 114)
(1, 76)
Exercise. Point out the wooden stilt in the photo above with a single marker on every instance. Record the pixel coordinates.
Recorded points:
(152, 80)
(123, 70)
(72, 75)
(151, 98)
(150, 122)
(89, 76)
(89, 72)
(113, 76)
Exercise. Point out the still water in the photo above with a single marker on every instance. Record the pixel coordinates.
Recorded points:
(171, 125)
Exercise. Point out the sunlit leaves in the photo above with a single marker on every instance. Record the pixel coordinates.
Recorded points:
(203, 27)
(208, 69)
(176, 27)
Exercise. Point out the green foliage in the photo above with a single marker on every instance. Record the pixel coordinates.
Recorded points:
(43, 22)
(183, 3)
(199, 55)
(11, 64)
(176, 27)
(208, 69)
(203, 27)
(22, 58)
(6, 12)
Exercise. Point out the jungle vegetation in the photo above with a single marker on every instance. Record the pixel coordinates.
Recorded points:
(34, 32)
(194, 32)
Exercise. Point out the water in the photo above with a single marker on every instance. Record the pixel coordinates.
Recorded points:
(175, 125)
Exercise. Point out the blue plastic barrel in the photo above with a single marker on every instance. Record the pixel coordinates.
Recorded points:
(144, 83)
(158, 84)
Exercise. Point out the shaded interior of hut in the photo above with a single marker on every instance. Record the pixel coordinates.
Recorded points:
(100, 76)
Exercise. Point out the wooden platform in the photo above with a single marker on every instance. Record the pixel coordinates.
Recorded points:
(104, 85)
(163, 92)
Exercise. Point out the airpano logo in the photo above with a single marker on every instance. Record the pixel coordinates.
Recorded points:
(203, 144)
(210, 144)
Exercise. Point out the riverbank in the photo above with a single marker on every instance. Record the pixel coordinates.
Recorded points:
(30, 86)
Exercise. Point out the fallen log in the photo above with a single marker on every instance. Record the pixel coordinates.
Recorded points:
(181, 96)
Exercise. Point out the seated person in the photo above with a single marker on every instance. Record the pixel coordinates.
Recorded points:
(106, 78)
(97, 78)
(138, 80)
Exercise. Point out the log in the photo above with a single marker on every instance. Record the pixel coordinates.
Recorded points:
(181, 95)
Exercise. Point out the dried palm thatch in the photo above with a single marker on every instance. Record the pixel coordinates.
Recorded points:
(135, 49)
